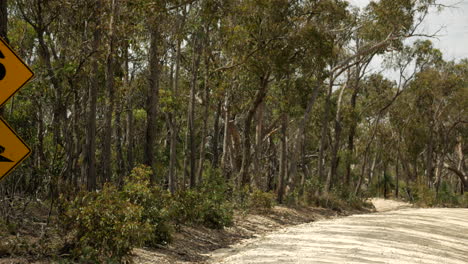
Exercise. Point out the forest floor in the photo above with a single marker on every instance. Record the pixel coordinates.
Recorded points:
(197, 244)
(394, 232)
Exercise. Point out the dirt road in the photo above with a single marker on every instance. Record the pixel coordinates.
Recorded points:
(406, 235)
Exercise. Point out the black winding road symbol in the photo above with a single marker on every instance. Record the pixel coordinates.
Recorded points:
(2, 68)
(3, 159)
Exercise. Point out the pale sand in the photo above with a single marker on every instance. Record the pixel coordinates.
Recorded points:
(406, 235)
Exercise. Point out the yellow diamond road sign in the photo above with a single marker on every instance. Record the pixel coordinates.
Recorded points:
(13, 73)
(13, 150)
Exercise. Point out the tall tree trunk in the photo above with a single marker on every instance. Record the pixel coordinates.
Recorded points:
(130, 140)
(299, 141)
(362, 174)
(258, 146)
(59, 109)
(226, 134)
(429, 158)
(461, 162)
(4, 20)
(385, 181)
(216, 132)
(244, 177)
(337, 139)
(90, 161)
(397, 176)
(283, 160)
(119, 142)
(110, 72)
(204, 131)
(190, 164)
(438, 172)
(372, 169)
(352, 133)
(153, 98)
(173, 124)
(323, 139)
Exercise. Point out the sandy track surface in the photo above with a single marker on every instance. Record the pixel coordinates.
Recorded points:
(407, 235)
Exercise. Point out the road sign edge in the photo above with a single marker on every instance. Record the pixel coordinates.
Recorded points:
(22, 141)
(27, 67)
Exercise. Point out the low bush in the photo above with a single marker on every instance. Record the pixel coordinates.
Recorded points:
(337, 200)
(446, 197)
(423, 195)
(464, 200)
(104, 226)
(205, 205)
(154, 202)
(330, 201)
(260, 200)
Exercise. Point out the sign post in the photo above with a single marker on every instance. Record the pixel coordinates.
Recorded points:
(14, 73)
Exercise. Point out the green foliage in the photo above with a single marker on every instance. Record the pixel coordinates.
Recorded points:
(330, 201)
(338, 200)
(380, 185)
(260, 200)
(464, 200)
(154, 202)
(240, 198)
(206, 205)
(104, 226)
(445, 197)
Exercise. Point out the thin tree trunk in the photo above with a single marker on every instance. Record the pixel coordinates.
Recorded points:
(90, 161)
(372, 169)
(216, 132)
(352, 133)
(244, 177)
(153, 99)
(429, 157)
(323, 139)
(205, 120)
(130, 140)
(337, 139)
(258, 146)
(283, 162)
(190, 164)
(385, 181)
(173, 126)
(300, 139)
(110, 71)
(461, 162)
(119, 142)
(438, 173)
(363, 171)
(226, 134)
(4, 20)
(397, 176)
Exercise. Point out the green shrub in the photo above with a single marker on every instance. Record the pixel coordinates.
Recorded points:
(183, 208)
(359, 203)
(240, 198)
(464, 200)
(330, 201)
(154, 202)
(104, 226)
(205, 205)
(260, 200)
(446, 197)
(423, 195)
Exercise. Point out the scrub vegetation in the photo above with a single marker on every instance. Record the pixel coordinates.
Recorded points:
(146, 116)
